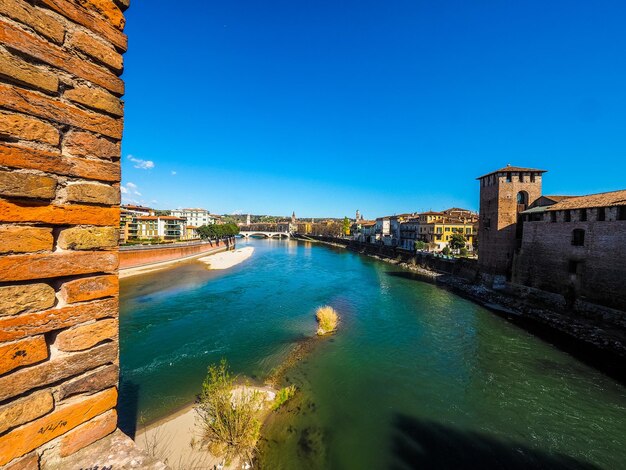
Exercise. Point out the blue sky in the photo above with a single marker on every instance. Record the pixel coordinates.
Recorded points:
(328, 106)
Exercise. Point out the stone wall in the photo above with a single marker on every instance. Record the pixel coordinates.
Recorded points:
(60, 131)
(131, 258)
(594, 272)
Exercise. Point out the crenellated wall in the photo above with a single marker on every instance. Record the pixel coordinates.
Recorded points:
(60, 131)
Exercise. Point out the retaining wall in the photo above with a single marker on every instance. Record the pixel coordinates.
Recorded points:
(131, 258)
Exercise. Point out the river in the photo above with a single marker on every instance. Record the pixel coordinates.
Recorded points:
(416, 377)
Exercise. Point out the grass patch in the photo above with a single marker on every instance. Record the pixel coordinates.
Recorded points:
(283, 396)
(327, 319)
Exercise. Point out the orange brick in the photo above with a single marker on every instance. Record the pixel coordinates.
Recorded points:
(20, 126)
(30, 102)
(48, 265)
(29, 462)
(36, 18)
(92, 193)
(17, 156)
(30, 436)
(108, 9)
(20, 211)
(21, 239)
(96, 98)
(89, 238)
(90, 382)
(98, 50)
(14, 184)
(56, 369)
(84, 337)
(85, 144)
(25, 298)
(17, 69)
(28, 324)
(88, 433)
(25, 409)
(90, 288)
(90, 20)
(49, 53)
(22, 353)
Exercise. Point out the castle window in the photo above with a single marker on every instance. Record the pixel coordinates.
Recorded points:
(521, 177)
(532, 177)
(487, 222)
(553, 216)
(583, 215)
(522, 198)
(621, 213)
(509, 178)
(578, 237)
(601, 214)
(568, 216)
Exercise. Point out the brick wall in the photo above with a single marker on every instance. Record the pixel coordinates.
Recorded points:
(598, 275)
(60, 131)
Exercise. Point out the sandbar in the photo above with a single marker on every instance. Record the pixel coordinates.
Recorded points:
(227, 259)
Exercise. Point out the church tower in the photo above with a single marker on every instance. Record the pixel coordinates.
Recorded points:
(358, 215)
(248, 220)
(293, 217)
(504, 193)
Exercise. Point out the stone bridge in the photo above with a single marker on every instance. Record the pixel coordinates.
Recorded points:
(260, 233)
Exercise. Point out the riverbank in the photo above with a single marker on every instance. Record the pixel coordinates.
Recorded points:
(227, 259)
(597, 343)
(176, 439)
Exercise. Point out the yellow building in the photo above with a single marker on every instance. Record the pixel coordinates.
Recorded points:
(438, 227)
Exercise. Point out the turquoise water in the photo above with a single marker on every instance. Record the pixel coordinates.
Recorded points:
(416, 377)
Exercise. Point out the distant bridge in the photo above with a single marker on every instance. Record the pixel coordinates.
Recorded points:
(258, 233)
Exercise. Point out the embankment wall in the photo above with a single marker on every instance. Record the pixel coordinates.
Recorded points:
(135, 257)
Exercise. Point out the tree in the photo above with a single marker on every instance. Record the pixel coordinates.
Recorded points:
(419, 245)
(346, 226)
(457, 241)
(463, 252)
(446, 250)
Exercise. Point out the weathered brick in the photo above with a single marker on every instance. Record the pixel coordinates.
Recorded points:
(85, 144)
(83, 337)
(21, 211)
(30, 102)
(42, 50)
(17, 156)
(56, 370)
(35, 18)
(25, 298)
(108, 9)
(89, 238)
(90, 20)
(92, 193)
(90, 288)
(28, 462)
(88, 433)
(90, 382)
(24, 127)
(25, 409)
(100, 51)
(49, 265)
(28, 324)
(22, 353)
(21, 71)
(97, 99)
(21, 239)
(30, 436)
(13, 184)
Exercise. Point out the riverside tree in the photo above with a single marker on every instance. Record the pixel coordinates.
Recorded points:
(457, 241)
(346, 226)
(218, 231)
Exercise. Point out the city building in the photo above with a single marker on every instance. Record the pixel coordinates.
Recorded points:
(437, 228)
(128, 221)
(196, 217)
(165, 227)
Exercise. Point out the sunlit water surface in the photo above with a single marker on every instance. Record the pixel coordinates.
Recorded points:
(416, 377)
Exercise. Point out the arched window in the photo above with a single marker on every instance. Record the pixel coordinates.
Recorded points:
(522, 197)
(578, 237)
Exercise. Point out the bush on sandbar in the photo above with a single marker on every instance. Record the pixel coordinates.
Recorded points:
(327, 319)
(283, 396)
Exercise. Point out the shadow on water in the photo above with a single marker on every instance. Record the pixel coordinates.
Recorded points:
(127, 407)
(426, 444)
(604, 361)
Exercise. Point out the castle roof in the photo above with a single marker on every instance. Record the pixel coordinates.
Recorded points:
(510, 168)
(613, 198)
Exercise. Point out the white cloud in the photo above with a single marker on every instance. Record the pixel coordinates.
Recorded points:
(129, 189)
(173, 173)
(123, 190)
(141, 164)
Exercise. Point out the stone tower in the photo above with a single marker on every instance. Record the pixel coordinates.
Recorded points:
(504, 194)
(248, 220)
(358, 215)
(293, 217)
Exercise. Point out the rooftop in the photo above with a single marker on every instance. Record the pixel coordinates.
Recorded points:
(613, 198)
(510, 168)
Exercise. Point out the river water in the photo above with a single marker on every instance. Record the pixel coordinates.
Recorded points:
(416, 377)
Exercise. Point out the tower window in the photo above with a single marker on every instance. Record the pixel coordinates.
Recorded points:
(509, 177)
(553, 216)
(578, 237)
(522, 198)
(583, 215)
(568, 216)
(601, 214)
(621, 213)
(521, 177)
(532, 177)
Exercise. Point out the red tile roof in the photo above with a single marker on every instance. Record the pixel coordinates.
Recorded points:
(510, 168)
(613, 198)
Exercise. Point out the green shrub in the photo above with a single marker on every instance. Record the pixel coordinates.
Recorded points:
(228, 419)
(283, 396)
(446, 251)
(463, 252)
(327, 319)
